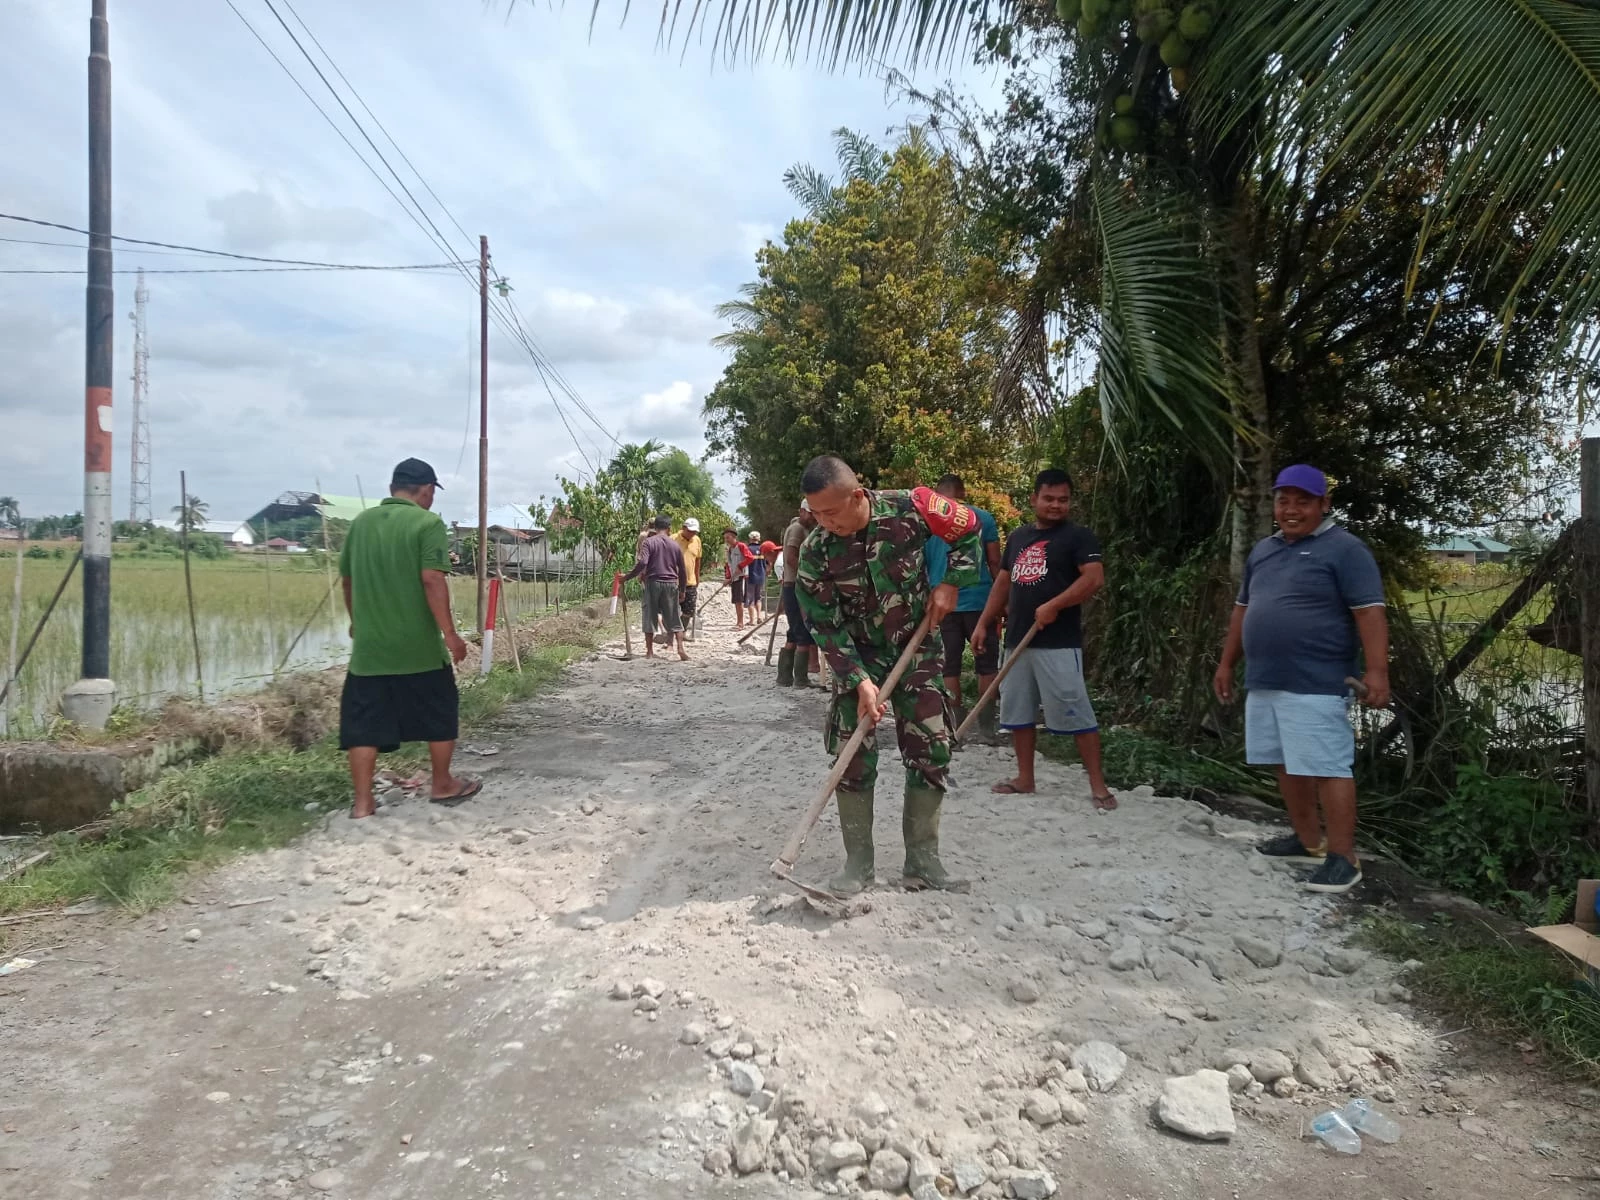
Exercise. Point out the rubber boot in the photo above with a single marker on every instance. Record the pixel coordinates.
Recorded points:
(958, 716)
(988, 730)
(855, 822)
(920, 825)
(802, 669)
(786, 667)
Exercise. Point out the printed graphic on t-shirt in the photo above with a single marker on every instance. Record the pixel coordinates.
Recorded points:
(1032, 565)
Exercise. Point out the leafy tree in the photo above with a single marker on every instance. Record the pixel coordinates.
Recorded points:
(680, 483)
(874, 332)
(10, 512)
(55, 528)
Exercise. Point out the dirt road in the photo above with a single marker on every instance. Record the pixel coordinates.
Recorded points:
(556, 990)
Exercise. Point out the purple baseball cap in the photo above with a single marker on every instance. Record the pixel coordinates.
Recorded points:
(1308, 479)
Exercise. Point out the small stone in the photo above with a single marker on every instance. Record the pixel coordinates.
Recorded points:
(872, 1109)
(839, 1156)
(1075, 1082)
(1128, 956)
(1239, 1078)
(218, 1097)
(1259, 951)
(192, 936)
(1025, 991)
(720, 1047)
(357, 899)
(1042, 1109)
(743, 1050)
(693, 1034)
(718, 1161)
(1073, 1110)
(745, 1078)
(1476, 1126)
(517, 837)
(649, 987)
(1102, 1064)
(1030, 917)
(647, 1004)
(1033, 1185)
(970, 1174)
(1269, 1066)
(752, 1145)
(1383, 1093)
(621, 990)
(1093, 930)
(1198, 1106)
(1286, 1088)
(888, 1171)
(923, 1172)
(325, 1180)
(590, 923)
(323, 943)
(1346, 961)
(1315, 1071)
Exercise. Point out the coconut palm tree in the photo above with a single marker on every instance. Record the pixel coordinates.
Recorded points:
(1512, 85)
(191, 514)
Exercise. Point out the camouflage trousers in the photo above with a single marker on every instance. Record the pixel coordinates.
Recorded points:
(921, 723)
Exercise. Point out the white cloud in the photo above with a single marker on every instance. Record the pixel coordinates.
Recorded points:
(270, 216)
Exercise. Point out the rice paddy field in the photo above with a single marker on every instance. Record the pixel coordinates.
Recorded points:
(256, 614)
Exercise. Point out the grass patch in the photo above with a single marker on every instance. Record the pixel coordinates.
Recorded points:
(254, 799)
(1514, 991)
(1132, 758)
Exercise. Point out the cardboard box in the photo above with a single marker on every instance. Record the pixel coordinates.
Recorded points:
(1581, 939)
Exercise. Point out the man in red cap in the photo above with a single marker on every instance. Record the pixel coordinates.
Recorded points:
(1311, 598)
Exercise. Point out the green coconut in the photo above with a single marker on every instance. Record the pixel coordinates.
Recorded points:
(1175, 51)
(1125, 131)
(1196, 22)
(1123, 104)
(1180, 79)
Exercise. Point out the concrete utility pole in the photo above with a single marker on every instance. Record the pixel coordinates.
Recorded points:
(1589, 620)
(90, 700)
(483, 432)
(139, 487)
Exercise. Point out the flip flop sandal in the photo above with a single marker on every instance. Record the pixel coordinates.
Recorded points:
(1007, 788)
(1106, 803)
(474, 786)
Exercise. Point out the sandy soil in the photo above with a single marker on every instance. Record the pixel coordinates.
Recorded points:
(555, 991)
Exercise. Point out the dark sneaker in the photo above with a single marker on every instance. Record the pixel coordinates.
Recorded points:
(1337, 874)
(1288, 848)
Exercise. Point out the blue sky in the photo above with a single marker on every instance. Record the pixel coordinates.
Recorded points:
(623, 189)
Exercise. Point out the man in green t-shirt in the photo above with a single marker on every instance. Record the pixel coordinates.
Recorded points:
(401, 686)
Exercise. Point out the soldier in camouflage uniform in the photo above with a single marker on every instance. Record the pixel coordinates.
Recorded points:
(863, 589)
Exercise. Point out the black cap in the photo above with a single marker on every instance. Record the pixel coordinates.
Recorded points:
(413, 472)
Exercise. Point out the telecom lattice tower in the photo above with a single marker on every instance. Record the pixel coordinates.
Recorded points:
(139, 506)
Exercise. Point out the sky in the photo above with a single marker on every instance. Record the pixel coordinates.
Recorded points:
(624, 190)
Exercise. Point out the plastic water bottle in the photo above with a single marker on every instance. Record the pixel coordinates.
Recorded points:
(1366, 1120)
(1334, 1132)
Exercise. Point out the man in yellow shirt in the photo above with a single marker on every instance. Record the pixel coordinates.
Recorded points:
(688, 539)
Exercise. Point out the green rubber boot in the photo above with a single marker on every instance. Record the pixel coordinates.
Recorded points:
(855, 822)
(958, 715)
(786, 667)
(988, 730)
(920, 825)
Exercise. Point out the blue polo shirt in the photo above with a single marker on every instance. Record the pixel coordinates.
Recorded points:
(1299, 634)
(937, 554)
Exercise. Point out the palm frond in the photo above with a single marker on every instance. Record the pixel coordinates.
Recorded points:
(1159, 331)
(859, 157)
(1515, 83)
(813, 189)
(1022, 394)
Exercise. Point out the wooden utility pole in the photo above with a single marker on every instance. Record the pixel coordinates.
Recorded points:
(483, 434)
(1589, 626)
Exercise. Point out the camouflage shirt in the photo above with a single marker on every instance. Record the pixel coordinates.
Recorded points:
(864, 595)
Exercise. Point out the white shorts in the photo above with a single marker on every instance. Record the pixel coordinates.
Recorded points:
(1305, 734)
(1052, 680)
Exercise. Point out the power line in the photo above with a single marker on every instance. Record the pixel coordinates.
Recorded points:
(290, 262)
(229, 270)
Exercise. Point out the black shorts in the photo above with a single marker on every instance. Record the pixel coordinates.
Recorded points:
(957, 629)
(737, 588)
(690, 594)
(799, 635)
(385, 710)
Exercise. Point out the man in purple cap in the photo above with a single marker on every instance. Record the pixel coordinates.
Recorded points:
(1311, 597)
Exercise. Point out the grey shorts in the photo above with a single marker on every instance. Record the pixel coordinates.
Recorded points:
(1052, 680)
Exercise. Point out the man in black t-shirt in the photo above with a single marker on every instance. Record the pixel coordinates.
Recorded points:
(1049, 569)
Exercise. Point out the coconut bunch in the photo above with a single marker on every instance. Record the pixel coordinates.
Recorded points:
(1174, 32)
